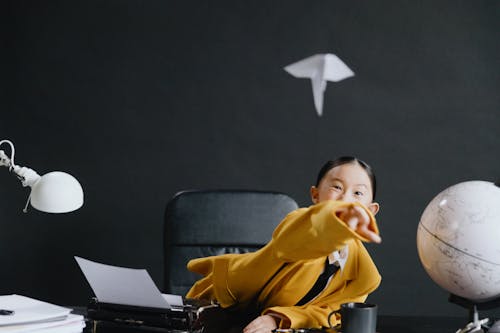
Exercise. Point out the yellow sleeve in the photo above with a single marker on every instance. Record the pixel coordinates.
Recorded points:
(213, 286)
(309, 316)
(315, 231)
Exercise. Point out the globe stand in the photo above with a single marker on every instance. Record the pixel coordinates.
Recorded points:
(476, 324)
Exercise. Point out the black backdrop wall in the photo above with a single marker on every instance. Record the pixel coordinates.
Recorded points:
(141, 99)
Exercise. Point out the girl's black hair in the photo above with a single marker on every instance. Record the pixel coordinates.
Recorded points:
(345, 160)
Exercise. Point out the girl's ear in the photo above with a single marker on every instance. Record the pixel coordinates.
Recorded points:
(314, 194)
(374, 208)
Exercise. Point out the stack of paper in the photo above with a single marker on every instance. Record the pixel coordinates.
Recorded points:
(19, 314)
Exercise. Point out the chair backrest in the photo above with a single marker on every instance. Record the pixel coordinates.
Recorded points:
(203, 223)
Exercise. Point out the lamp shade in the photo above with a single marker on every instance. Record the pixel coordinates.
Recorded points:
(56, 192)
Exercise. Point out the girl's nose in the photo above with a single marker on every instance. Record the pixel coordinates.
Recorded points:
(346, 197)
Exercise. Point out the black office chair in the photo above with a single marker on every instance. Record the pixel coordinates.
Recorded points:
(205, 223)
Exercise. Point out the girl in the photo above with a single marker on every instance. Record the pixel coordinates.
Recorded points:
(314, 262)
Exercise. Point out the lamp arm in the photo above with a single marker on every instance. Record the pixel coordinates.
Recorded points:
(27, 176)
(4, 160)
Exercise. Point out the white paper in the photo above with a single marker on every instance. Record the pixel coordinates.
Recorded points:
(320, 68)
(72, 324)
(174, 300)
(120, 285)
(29, 310)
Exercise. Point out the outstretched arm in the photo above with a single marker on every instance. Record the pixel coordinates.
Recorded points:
(323, 228)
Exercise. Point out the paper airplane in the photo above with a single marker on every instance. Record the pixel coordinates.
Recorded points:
(320, 68)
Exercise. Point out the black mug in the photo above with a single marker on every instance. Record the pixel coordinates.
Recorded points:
(357, 317)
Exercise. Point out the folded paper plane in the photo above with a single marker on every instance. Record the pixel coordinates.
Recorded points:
(320, 68)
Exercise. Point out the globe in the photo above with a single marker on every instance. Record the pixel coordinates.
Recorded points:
(458, 240)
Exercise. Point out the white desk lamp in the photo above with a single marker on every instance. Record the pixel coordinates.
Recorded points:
(54, 192)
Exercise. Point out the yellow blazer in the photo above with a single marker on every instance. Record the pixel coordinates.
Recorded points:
(278, 275)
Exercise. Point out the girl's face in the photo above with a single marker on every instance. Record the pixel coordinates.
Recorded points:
(347, 182)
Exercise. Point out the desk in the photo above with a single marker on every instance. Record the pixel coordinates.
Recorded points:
(406, 324)
(386, 324)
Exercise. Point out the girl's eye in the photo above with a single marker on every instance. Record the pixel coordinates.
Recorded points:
(337, 187)
(358, 193)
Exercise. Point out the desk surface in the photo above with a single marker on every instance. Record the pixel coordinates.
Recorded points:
(386, 324)
(398, 324)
